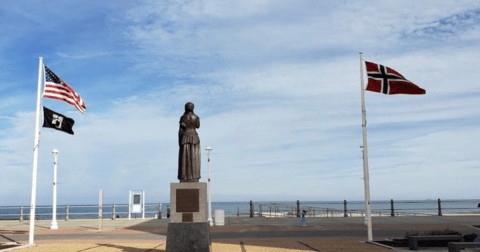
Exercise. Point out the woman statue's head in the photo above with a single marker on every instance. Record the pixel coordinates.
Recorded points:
(189, 107)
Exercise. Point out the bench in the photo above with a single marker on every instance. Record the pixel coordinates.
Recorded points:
(457, 246)
(413, 240)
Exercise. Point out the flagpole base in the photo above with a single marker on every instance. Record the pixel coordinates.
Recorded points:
(54, 226)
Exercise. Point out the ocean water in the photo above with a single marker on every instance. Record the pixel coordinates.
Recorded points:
(429, 207)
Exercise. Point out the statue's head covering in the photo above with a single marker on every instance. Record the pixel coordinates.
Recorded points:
(189, 106)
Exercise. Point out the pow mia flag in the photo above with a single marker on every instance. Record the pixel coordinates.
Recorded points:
(54, 120)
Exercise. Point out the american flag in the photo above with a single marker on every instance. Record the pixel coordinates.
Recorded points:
(56, 88)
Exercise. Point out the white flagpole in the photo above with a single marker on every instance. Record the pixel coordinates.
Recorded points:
(365, 157)
(35, 155)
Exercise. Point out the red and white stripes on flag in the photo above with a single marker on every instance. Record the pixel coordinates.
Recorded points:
(56, 88)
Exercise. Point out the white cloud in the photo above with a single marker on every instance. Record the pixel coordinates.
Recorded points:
(82, 56)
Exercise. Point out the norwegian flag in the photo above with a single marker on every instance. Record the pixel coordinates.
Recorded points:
(56, 88)
(385, 80)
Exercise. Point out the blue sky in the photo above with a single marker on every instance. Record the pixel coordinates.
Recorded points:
(276, 85)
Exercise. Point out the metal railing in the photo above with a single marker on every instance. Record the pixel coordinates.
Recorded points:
(259, 209)
(357, 209)
(68, 212)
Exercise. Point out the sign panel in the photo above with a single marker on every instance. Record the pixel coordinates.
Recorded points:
(137, 205)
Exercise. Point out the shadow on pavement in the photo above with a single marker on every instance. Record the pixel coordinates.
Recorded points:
(2, 232)
(7, 246)
(154, 226)
(130, 249)
(89, 228)
(229, 234)
(261, 234)
(6, 238)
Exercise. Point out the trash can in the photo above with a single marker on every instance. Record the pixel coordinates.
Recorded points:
(219, 217)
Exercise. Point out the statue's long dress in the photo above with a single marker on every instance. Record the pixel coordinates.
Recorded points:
(189, 153)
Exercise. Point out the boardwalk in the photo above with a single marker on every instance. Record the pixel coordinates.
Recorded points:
(239, 234)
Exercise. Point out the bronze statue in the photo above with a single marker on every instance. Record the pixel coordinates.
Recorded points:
(189, 146)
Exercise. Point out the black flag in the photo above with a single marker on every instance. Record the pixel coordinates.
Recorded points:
(54, 120)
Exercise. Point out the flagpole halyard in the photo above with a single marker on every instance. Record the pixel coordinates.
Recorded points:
(365, 157)
(35, 156)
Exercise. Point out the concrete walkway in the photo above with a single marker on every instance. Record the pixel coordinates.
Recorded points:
(239, 234)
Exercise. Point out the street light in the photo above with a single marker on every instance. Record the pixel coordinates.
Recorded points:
(209, 190)
(54, 207)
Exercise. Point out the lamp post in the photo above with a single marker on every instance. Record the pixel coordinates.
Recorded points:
(209, 190)
(54, 206)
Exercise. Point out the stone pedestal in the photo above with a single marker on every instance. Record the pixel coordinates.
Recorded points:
(188, 229)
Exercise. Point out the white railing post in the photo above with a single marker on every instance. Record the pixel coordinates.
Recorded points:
(143, 205)
(100, 209)
(130, 205)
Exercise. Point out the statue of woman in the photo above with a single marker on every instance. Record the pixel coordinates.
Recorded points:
(189, 143)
